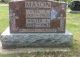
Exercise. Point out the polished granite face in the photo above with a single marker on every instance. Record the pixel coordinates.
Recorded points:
(37, 16)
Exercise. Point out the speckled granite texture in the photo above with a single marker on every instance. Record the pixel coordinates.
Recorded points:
(21, 40)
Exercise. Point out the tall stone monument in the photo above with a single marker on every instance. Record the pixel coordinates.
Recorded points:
(35, 23)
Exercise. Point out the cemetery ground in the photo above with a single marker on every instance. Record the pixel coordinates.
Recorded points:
(72, 25)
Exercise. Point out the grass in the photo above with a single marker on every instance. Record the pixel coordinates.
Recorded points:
(4, 20)
(72, 25)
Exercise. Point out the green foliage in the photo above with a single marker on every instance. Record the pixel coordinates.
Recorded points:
(68, 1)
(65, 0)
(6, 1)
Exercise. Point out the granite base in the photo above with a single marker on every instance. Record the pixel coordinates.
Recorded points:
(22, 40)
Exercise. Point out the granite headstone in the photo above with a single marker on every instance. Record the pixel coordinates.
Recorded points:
(37, 16)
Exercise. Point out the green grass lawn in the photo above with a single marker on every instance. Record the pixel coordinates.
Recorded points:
(72, 25)
(4, 19)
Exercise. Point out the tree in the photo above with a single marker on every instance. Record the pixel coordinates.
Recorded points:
(2, 1)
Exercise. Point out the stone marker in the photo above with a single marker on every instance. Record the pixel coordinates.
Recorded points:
(75, 5)
(36, 16)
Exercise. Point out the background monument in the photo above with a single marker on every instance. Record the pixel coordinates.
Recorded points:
(36, 24)
(75, 5)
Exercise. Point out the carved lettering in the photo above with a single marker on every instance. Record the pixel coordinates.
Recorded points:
(38, 23)
(38, 13)
(37, 16)
(37, 4)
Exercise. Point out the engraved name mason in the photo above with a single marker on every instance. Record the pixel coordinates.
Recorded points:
(37, 4)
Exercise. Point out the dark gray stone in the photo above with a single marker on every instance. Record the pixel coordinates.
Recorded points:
(75, 5)
(18, 40)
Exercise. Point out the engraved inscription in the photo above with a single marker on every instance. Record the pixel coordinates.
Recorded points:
(37, 16)
(37, 4)
(31, 13)
(38, 23)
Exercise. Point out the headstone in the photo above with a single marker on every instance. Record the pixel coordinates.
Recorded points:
(75, 5)
(37, 16)
(32, 17)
